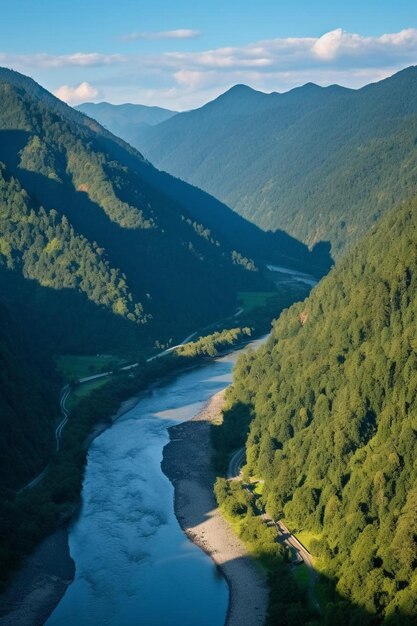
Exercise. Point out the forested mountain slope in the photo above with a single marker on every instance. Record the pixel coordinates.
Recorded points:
(239, 233)
(28, 402)
(333, 397)
(321, 164)
(74, 215)
(123, 120)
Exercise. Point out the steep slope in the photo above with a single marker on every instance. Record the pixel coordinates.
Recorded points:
(77, 213)
(313, 164)
(123, 120)
(240, 234)
(28, 402)
(333, 397)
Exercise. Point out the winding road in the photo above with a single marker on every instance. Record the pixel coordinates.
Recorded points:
(235, 464)
(65, 392)
(65, 413)
(284, 535)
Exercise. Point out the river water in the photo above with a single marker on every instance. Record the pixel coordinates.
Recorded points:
(134, 565)
(299, 277)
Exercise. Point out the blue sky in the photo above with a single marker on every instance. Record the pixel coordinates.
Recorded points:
(181, 53)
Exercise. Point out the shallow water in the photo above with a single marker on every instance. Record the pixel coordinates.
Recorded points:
(134, 565)
(299, 277)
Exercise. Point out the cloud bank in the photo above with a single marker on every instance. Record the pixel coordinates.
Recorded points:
(51, 61)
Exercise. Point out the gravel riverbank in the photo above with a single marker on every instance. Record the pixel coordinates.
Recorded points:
(187, 463)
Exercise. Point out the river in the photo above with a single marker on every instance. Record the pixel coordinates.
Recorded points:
(134, 565)
(299, 277)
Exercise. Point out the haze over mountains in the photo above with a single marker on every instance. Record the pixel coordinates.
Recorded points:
(123, 120)
(319, 163)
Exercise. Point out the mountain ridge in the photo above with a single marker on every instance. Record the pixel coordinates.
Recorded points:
(300, 165)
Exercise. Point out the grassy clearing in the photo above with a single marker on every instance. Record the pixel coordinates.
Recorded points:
(79, 366)
(306, 537)
(254, 299)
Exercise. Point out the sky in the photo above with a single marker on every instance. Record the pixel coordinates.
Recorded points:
(180, 54)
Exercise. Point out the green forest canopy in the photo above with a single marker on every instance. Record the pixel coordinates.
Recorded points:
(333, 401)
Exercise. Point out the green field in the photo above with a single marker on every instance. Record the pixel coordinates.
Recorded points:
(254, 299)
(306, 537)
(73, 367)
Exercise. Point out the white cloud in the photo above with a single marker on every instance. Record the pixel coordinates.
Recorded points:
(180, 33)
(75, 95)
(50, 61)
(336, 47)
(338, 43)
(189, 78)
(328, 45)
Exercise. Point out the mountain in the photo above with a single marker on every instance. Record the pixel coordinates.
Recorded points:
(123, 120)
(323, 164)
(332, 399)
(76, 215)
(101, 253)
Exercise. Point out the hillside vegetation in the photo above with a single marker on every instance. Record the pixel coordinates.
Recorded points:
(331, 400)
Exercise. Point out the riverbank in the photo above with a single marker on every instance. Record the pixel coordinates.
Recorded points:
(40, 584)
(37, 588)
(187, 463)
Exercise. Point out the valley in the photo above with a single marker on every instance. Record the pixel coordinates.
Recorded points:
(208, 343)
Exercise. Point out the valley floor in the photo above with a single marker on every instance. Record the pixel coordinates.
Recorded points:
(187, 463)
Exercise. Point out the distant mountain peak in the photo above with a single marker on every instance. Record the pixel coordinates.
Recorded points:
(124, 106)
(241, 87)
(240, 90)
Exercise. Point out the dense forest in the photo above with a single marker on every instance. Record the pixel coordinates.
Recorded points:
(86, 214)
(330, 403)
(320, 163)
